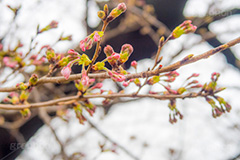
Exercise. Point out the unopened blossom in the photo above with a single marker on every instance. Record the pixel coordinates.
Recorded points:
(66, 71)
(96, 37)
(184, 28)
(53, 24)
(101, 15)
(125, 84)
(193, 75)
(108, 50)
(26, 113)
(33, 80)
(116, 76)
(85, 80)
(134, 64)
(121, 8)
(87, 43)
(97, 86)
(72, 52)
(126, 51)
(67, 38)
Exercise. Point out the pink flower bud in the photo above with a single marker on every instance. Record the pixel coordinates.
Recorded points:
(96, 37)
(98, 86)
(66, 71)
(72, 52)
(116, 12)
(127, 48)
(184, 28)
(134, 64)
(82, 45)
(115, 56)
(85, 80)
(125, 84)
(108, 50)
(122, 7)
(53, 24)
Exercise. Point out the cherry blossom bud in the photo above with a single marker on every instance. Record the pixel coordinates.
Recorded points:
(217, 111)
(172, 104)
(215, 76)
(85, 80)
(193, 75)
(53, 24)
(185, 59)
(101, 15)
(134, 64)
(153, 80)
(170, 90)
(50, 55)
(211, 102)
(116, 76)
(66, 71)
(127, 48)
(105, 8)
(67, 38)
(98, 66)
(21, 86)
(97, 86)
(33, 80)
(84, 60)
(72, 52)
(108, 50)
(197, 86)
(96, 37)
(181, 90)
(137, 82)
(121, 8)
(78, 111)
(26, 113)
(87, 43)
(126, 51)
(82, 45)
(24, 96)
(228, 107)
(125, 84)
(63, 62)
(184, 28)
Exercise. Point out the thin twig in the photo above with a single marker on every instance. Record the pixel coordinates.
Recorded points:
(69, 99)
(111, 140)
(47, 119)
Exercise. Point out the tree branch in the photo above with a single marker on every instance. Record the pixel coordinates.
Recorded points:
(145, 74)
(71, 99)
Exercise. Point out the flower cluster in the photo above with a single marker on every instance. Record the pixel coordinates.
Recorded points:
(78, 108)
(174, 112)
(184, 28)
(210, 89)
(87, 43)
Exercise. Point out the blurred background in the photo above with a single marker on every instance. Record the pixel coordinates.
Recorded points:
(125, 128)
